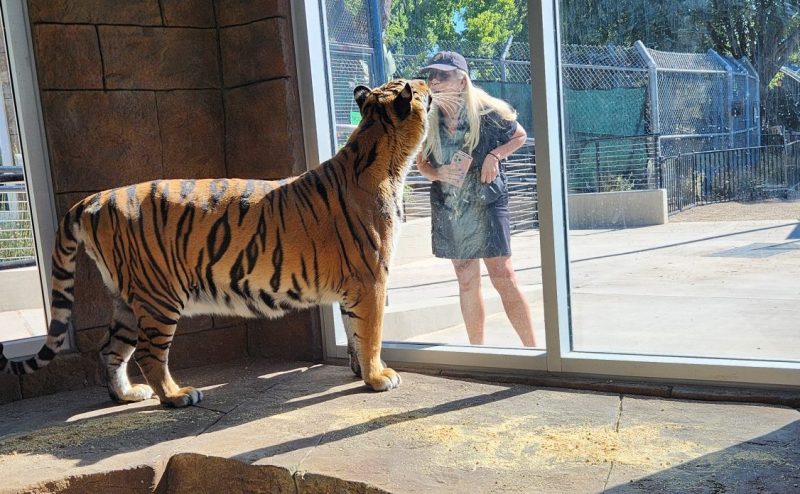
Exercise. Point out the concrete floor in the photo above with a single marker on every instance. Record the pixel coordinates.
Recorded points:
(709, 289)
(289, 427)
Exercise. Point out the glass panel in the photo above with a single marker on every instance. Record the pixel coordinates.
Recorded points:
(21, 310)
(683, 177)
(370, 41)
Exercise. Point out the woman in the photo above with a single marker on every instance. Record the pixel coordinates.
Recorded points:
(470, 135)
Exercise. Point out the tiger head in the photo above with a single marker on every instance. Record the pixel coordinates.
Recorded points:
(399, 107)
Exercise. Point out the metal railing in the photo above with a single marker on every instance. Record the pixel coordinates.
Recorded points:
(522, 201)
(745, 174)
(16, 226)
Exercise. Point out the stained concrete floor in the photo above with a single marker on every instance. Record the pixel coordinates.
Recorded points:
(292, 427)
(718, 289)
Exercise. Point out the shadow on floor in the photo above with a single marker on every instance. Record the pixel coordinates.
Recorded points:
(769, 463)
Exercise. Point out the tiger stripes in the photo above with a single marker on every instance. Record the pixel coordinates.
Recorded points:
(173, 248)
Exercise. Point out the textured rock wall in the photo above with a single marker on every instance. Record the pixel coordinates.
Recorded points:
(135, 91)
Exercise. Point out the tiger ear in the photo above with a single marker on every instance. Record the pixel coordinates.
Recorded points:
(360, 94)
(402, 103)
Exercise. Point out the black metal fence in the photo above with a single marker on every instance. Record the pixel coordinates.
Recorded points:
(745, 174)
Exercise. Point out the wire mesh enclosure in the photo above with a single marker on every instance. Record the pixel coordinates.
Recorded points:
(626, 109)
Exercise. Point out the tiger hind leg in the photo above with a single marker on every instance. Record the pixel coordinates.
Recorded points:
(115, 354)
(363, 322)
(156, 332)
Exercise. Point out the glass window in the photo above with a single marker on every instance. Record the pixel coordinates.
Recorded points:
(682, 171)
(467, 267)
(22, 314)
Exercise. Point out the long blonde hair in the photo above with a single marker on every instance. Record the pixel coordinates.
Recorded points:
(477, 103)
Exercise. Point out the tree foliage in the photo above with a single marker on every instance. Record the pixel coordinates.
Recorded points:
(767, 32)
(481, 25)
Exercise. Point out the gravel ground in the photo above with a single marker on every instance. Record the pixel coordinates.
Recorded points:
(776, 209)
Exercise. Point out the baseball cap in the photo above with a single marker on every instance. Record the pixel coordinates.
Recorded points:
(447, 60)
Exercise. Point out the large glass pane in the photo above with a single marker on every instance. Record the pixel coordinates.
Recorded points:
(683, 173)
(494, 298)
(22, 313)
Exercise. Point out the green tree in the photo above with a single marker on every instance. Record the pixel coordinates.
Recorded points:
(767, 32)
(487, 23)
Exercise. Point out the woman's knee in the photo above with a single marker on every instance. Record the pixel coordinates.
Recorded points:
(501, 273)
(468, 273)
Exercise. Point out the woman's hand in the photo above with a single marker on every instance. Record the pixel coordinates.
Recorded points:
(425, 168)
(490, 168)
(448, 174)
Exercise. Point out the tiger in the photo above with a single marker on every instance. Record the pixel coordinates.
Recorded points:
(255, 248)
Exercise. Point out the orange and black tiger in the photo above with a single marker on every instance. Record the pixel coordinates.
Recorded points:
(173, 248)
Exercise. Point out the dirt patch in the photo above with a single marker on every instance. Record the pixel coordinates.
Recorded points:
(516, 443)
(775, 209)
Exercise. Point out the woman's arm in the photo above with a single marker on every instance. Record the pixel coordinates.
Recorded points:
(491, 164)
(516, 142)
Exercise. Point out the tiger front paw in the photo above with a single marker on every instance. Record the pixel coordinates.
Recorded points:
(185, 397)
(133, 394)
(384, 380)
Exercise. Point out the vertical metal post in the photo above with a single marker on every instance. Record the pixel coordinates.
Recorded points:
(503, 57)
(748, 111)
(755, 109)
(6, 155)
(652, 84)
(596, 166)
(376, 36)
(729, 92)
(548, 119)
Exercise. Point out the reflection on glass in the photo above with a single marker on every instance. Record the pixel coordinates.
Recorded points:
(470, 199)
(682, 175)
(21, 311)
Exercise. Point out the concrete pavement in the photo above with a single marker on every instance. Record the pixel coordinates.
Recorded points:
(292, 427)
(711, 289)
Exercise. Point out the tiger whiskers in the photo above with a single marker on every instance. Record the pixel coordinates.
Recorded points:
(449, 102)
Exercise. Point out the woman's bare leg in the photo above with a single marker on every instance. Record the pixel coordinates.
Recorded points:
(516, 306)
(468, 272)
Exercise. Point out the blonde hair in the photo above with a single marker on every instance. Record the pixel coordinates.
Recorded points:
(477, 103)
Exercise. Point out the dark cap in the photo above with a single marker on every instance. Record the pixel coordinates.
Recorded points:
(447, 60)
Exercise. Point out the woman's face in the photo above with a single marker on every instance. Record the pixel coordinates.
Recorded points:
(446, 81)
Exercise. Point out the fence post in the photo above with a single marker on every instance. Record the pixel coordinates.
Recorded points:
(748, 111)
(377, 41)
(652, 83)
(503, 57)
(597, 165)
(755, 110)
(729, 92)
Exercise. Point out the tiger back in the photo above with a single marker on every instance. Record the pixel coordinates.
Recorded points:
(173, 248)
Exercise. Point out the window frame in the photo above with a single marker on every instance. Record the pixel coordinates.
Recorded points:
(544, 36)
(36, 162)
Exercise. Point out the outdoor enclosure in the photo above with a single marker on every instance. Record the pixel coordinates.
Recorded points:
(627, 109)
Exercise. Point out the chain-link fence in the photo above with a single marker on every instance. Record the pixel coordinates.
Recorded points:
(705, 101)
(354, 60)
(625, 107)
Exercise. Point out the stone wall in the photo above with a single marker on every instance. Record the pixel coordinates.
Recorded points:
(134, 91)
